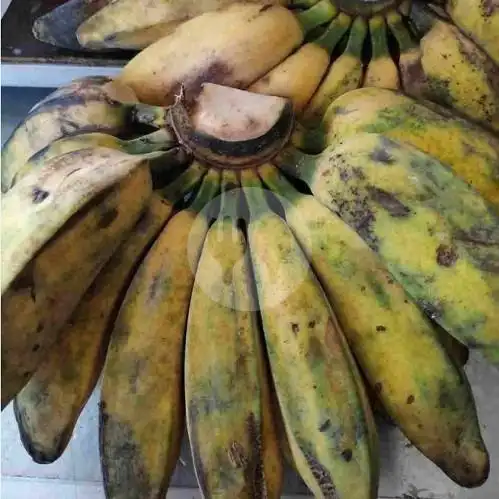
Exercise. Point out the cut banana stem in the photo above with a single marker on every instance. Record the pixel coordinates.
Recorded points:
(381, 70)
(42, 297)
(344, 74)
(49, 405)
(316, 388)
(216, 130)
(391, 212)
(389, 334)
(298, 77)
(142, 402)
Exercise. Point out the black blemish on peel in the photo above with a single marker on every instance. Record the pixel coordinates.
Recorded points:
(39, 195)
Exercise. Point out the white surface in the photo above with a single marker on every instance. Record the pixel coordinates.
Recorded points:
(405, 474)
(49, 75)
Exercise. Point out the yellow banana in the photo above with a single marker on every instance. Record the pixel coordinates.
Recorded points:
(397, 348)
(323, 413)
(299, 76)
(396, 198)
(479, 21)
(470, 151)
(381, 70)
(90, 104)
(128, 24)
(344, 74)
(453, 71)
(229, 47)
(142, 392)
(40, 300)
(49, 405)
(222, 372)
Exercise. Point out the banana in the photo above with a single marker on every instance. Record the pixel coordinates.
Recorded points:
(299, 76)
(470, 151)
(45, 199)
(381, 70)
(160, 140)
(479, 21)
(90, 104)
(49, 405)
(396, 198)
(128, 24)
(344, 74)
(222, 366)
(453, 71)
(324, 416)
(397, 348)
(141, 411)
(40, 300)
(229, 47)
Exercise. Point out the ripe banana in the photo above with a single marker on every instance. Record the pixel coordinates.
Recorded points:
(396, 346)
(397, 198)
(160, 140)
(229, 47)
(45, 199)
(479, 21)
(85, 105)
(224, 402)
(453, 71)
(470, 151)
(40, 300)
(344, 74)
(381, 71)
(128, 24)
(141, 412)
(299, 76)
(323, 413)
(49, 405)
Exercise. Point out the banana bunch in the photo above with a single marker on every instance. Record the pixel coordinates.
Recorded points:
(252, 250)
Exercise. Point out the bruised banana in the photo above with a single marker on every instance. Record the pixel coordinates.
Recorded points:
(228, 47)
(313, 371)
(47, 288)
(479, 21)
(398, 350)
(128, 24)
(381, 71)
(299, 76)
(85, 105)
(395, 198)
(470, 151)
(451, 70)
(142, 403)
(345, 73)
(49, 405)
(224, 403)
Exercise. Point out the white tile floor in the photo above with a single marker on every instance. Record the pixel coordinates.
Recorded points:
(406, 474)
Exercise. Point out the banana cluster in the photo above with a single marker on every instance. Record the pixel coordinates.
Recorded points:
(445, 52)
(246, 245)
